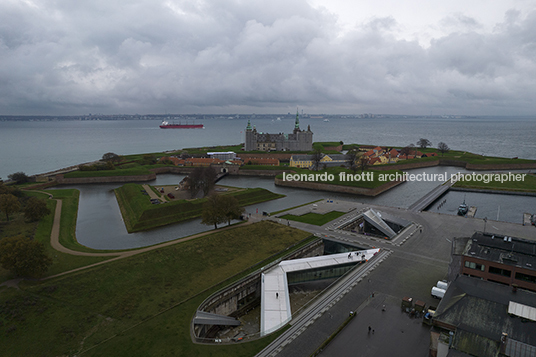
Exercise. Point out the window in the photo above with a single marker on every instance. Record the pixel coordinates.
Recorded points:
(499, 271)
(474, 265)
(526, 277)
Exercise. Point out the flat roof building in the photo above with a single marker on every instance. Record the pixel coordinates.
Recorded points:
(482, 318)
(495, 257)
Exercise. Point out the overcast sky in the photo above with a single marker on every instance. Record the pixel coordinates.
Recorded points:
(63, 57)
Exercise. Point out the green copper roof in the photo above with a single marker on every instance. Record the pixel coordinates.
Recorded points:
(297, 125)
(249, 125)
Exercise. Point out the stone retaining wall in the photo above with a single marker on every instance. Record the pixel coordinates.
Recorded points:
(408, 166)
(502, 166)
(338, 188)
(61, 180)
(497, 192)
(266, 173)
(455, 163)
(272, 155)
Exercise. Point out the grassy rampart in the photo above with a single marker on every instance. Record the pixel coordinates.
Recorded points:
(139, 214)
(138, 306)
(344, 177)
(526, 184)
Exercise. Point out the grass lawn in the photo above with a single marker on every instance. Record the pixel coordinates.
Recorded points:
(463, 156)
(527, 185)
(138, 306)
(315, 218)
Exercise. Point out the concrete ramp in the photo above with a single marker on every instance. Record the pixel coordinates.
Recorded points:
(376, 220)
(275, 300)
(208, 318)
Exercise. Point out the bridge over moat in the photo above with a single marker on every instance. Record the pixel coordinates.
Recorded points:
(425, 201)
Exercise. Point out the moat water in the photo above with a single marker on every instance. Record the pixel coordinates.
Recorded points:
(98, 204)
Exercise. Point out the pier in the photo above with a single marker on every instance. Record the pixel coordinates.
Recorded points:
(472, 212)
(527, 219)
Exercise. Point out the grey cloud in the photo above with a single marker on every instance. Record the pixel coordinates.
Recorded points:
(68, 57)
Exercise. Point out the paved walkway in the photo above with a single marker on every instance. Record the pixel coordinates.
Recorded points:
(152, 194)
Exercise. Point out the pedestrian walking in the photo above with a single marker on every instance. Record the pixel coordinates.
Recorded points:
(369, 329)
(277, 295)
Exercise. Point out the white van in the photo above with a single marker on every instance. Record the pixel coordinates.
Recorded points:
(438, 293)
(442, 285)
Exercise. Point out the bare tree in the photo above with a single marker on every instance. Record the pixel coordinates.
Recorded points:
(424, 143)
(352, 158)
(407, 150)
(201, 178)
(110, 156)
(317, 156)
(363, 162)
(443, 148)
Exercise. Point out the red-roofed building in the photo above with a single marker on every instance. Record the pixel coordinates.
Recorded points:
(369, 153)
(175, 160)
(194, 161)
(263, 161)
(375, 161)
(378, 150)
(393, 153)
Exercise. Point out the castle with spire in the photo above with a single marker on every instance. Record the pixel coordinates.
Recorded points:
(298, 140)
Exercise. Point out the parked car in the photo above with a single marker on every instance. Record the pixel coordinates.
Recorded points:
(170, 195)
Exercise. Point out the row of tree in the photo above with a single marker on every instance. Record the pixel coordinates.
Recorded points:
(220, 209)
(21, 255)
(12, 199)
(441, 146)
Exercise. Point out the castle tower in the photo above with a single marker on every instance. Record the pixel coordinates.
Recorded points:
(250, 142)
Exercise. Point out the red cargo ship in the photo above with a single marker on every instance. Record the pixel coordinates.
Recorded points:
(168, 125)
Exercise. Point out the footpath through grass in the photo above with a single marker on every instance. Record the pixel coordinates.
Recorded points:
(137, 306)
(315, 218)
(139, 214)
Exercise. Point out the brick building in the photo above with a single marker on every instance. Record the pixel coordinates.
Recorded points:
(497, 258)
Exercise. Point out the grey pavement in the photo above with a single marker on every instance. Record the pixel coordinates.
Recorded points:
(411, 270)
